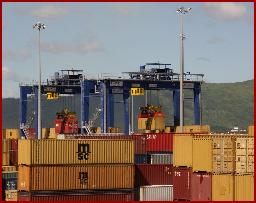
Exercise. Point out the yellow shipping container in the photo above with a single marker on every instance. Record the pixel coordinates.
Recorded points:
(52, 134)
(142, 123)
(50, 151)
(222, 187)
(202, 153)
(9, 168)
(159, 123)
(223, 154)
(244, 188)
(11, 195)
(3, 134)
(194, 129)
(45, 133)
(251, 130)
(5, 152)
(182, 150)
(12, 133)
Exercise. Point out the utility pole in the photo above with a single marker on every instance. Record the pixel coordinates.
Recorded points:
(182, 11)
(39, 26)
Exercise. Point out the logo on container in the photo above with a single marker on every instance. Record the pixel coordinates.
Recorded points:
(83, 151)
(83, 177)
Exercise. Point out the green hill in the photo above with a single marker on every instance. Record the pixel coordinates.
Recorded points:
(224, 106)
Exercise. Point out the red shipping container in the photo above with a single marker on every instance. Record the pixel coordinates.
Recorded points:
(13, 152)
(71, 125)
(153, 174)
(140, 143)
(191, 186)
(59, 125)
(68, 196)
(159, 142)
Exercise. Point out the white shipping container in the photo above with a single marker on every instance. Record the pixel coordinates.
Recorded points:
(156, 193)
(160, 158)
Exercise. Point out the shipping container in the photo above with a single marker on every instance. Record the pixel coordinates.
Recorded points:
(9, 180)
(52, 134)
(3, 134)
(141, 158)
(45, 133)
(34, 178)
(76, 196)
(160, 158)
(159, 142)
(156, 193)
(153, 174)
(6, 152)
(52, 151)
(191, 186)
(9, 168)
(11, 133)
(222, 187)
(182, 150)
(140, 143)
(223, 154)
(244, 187)
(13, 152)
(11, 195)
(202, 153)
(194, 129)
(251, 130)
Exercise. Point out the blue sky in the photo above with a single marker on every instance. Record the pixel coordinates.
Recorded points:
(118, 37)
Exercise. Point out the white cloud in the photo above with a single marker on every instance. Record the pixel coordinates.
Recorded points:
(80, 48)
(226, 10)
(18, 55)
(10, 75)
(49, 11)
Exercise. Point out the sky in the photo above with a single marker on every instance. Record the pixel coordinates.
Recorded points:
(118, 37)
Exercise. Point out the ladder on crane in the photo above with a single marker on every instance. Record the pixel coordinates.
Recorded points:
(25, 127)
(91, 122)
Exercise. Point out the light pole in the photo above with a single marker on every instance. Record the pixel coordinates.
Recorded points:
(39, 26)
(182, 11)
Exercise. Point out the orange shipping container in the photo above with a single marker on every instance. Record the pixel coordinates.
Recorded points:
(34, 178)
(251, 130)
(83, 151)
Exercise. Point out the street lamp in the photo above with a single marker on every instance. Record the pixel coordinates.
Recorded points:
(182, 11)
(39, 26)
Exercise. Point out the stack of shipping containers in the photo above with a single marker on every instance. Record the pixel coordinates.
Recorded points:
(9, 164)
(213, 167)
(153, 177)
(81, 169)
(191, 175)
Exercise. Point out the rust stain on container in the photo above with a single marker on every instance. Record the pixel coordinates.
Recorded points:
(34, 178)
(78, 196)
(33, 152)
(182, 150)
(222, 187)
(244, 187)
(153, 174)
(202, 153)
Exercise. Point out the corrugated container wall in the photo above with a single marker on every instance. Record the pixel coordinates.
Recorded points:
(11, 195)
(164, 158)
(81, 196)
(141, 158)
(156, 193)
(222, 187)
(12, 133)
(244, 187)
(33, 152)
(182, 150)
(251, 130)
(14, 152)
(202, 153)
(89, 177)
(153, 174)
(159, 142)
(140, 144)
(5, 152)
(223, 154)
(250, 153)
